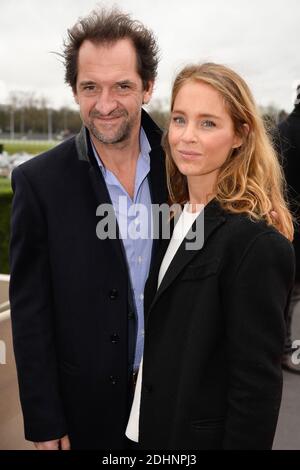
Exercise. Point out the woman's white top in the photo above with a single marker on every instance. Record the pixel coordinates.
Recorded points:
(180, 231)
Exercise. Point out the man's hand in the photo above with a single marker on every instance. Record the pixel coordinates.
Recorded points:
(58, 444)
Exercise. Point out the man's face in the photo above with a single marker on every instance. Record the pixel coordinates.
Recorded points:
(110, 91)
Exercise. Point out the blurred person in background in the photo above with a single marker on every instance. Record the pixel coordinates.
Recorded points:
(287, 140)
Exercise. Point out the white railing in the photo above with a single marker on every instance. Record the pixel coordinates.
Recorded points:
(11, 421)
(29, 141)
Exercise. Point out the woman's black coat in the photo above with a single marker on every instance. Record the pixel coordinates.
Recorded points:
(214, 337)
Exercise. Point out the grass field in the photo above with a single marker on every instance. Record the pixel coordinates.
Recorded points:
(5, 185)
(32, 147)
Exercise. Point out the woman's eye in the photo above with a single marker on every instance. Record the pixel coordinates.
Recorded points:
(178, 120)
(208, 123)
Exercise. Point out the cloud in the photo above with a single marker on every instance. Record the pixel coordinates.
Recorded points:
(260, 39)
(3, 91)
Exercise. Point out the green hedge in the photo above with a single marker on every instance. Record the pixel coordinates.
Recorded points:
(32, 147)
(5, 209)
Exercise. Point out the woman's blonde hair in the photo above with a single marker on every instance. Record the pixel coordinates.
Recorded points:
(251, 180)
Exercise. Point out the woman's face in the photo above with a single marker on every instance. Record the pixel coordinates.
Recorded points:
(201, 132)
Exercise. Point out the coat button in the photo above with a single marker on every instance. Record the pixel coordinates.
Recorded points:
(113, 379)
(113, 294)
(114, 338)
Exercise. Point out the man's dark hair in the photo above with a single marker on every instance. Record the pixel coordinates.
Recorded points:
(107, 27)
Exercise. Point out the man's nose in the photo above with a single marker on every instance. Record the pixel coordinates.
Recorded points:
(105, 103)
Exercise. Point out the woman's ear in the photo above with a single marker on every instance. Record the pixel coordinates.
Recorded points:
(238, 139)
(246, 128)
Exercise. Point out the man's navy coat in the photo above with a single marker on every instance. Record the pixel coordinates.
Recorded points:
(73, 320)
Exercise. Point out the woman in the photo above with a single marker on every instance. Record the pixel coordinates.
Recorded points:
(215, 315)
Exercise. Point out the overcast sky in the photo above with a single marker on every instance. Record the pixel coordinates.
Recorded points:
(259, 38)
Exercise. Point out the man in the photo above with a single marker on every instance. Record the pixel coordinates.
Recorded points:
(288, 145)
(77, 299)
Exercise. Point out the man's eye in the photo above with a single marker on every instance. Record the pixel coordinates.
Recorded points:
(89, 88)
(123, 86)
(208, 123)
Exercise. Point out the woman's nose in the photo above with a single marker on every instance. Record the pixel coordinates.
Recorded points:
(189, 134)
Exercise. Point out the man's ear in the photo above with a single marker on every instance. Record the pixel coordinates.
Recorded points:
(148, 92)
(75, 95)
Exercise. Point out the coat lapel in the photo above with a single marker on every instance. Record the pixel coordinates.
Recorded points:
(102, 197)
(85, 153)
(157, 174)
(151, 284)
(213, 218)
